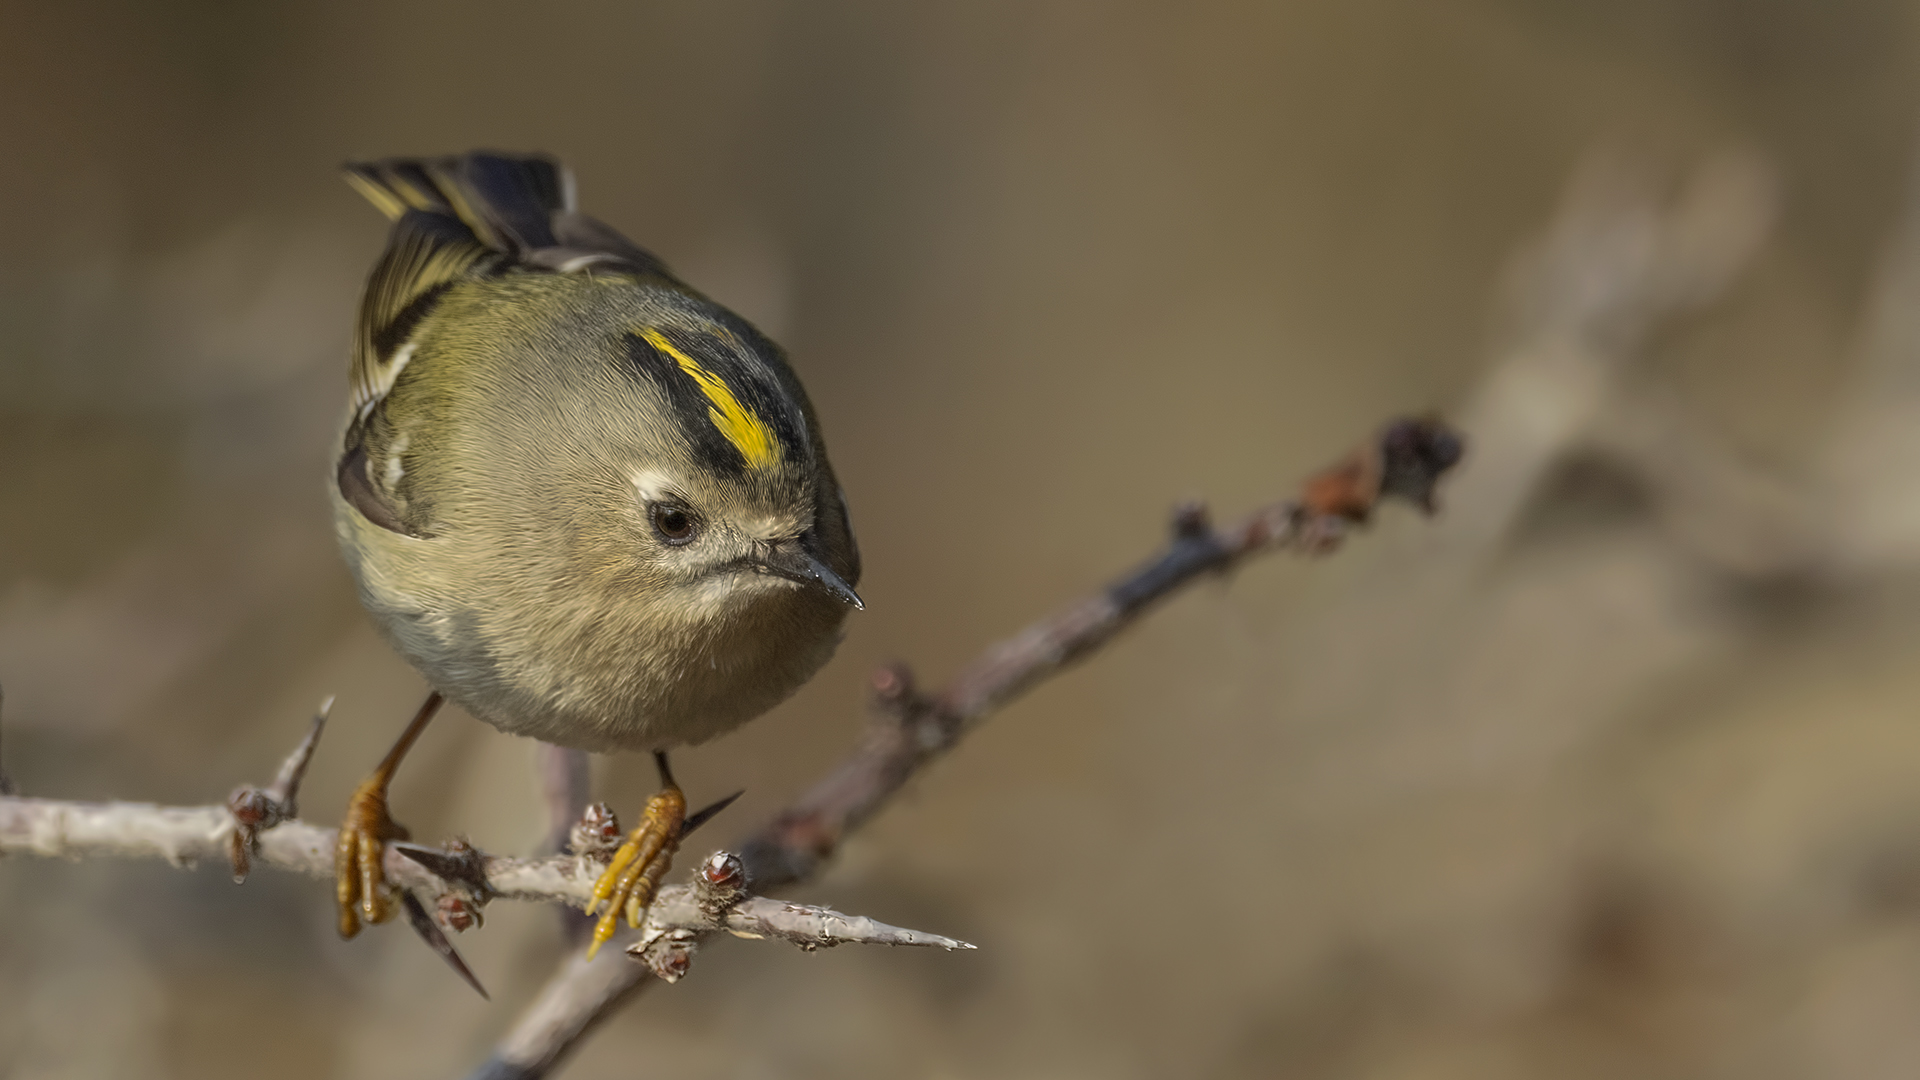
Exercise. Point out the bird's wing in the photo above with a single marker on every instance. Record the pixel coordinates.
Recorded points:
(467, 217)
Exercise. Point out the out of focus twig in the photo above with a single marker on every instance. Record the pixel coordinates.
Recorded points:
(6, 785)
(565, 784)
(1624, 254)
(913, 728)
(1870, 471)
(1737, 517)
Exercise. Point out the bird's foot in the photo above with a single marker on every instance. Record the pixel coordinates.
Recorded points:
(628, 883)
(360, 881)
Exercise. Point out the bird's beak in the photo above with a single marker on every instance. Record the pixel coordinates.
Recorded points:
(794, 560)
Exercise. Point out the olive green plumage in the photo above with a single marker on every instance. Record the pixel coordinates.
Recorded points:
(589, 504)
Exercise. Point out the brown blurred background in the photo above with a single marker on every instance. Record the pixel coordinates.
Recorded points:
(1612, 772)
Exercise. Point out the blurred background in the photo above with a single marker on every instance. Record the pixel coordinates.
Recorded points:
(1611, 771)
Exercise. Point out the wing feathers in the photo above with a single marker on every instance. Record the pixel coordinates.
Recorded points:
(464, 216)
(426, 255)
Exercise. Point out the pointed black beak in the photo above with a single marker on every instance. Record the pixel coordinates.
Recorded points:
(794, 560)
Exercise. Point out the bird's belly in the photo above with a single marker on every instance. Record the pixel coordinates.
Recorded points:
(618, 690)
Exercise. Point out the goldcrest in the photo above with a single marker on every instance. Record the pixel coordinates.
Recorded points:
(589, 504)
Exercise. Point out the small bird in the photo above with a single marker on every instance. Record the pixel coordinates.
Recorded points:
(589, 504)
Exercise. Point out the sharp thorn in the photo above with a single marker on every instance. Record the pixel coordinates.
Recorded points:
(439, 863)
(286, 786)
(429, 932)
(708, 813)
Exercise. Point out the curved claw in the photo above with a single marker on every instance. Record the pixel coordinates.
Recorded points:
(627, 885)
(707, 813)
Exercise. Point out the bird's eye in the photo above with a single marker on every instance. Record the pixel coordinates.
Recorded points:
(674, 523)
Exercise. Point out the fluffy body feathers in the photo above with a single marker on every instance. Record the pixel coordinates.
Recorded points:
(538, 407)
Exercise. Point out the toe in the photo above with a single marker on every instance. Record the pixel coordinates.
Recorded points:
(372, 879)
(346, 881)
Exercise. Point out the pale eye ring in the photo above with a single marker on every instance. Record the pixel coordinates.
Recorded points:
(675, 524)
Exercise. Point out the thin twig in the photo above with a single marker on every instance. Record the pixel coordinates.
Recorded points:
(913, 728)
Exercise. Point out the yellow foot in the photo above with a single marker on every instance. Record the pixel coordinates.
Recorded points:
(360, 882)
(629, 881)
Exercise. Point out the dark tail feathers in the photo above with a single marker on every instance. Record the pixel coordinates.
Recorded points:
(508, 200)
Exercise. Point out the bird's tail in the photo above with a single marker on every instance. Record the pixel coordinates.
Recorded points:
(507, 200)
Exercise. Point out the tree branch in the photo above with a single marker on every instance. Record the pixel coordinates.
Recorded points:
(257, 825)
(1624, 253)
(911, 729)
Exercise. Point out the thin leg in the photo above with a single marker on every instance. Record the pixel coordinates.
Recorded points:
(628, 883)
(360, 884)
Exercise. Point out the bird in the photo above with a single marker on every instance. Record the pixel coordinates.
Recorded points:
(588, 503)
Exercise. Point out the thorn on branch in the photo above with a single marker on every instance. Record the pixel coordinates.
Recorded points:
(462, 874)
(707, 813)
(429, 932)
(254, 810)
(719, 900)
(286, 784)
(457, 864)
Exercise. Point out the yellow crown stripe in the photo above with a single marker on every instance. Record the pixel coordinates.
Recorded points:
(748, 433)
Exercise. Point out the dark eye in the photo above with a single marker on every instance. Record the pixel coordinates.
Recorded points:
(674, 523)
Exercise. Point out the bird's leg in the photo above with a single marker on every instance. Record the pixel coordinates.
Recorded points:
(628, 883)
(360, 883)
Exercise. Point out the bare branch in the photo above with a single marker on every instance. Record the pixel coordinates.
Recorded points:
(1405, 461)
(1619, 260)
(1621, 256)
(911, 729)
(184, 835)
